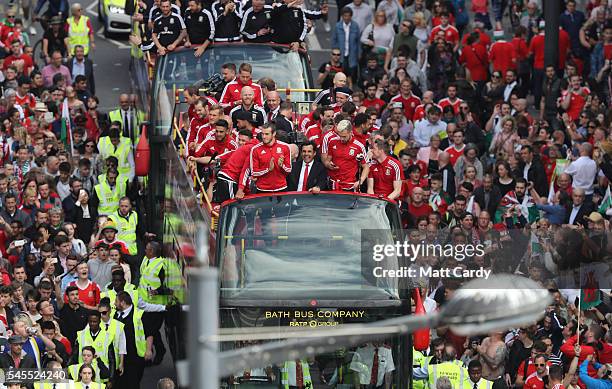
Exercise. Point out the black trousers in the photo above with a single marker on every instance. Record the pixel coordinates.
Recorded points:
(132, 374)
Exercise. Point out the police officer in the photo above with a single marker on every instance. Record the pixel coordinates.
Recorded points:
(255, 25)
(227, 15)
(169, 29)
(108, 193)
(296, 375)
(449, 367)
(200, 27)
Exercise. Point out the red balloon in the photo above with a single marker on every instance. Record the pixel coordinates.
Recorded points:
(420, 337)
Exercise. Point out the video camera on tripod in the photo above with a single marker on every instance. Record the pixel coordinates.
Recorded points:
(211, 85)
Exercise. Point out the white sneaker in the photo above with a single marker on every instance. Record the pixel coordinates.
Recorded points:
(327, 26)
(32, 30)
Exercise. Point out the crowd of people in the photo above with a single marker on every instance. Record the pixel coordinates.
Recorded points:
(439, 109)
(85, 288)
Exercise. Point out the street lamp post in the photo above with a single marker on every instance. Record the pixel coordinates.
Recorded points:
(474, 309)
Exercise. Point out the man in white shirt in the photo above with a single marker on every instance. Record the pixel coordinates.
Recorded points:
(362, 14)
(583, 170)
(425, 128)
(374, 365)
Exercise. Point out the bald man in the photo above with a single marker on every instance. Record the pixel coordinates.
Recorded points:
(273, 101)
(247, 104)
(328, 96)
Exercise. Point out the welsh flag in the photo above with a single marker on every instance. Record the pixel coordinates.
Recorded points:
(528, 209)
(606, 203)
(66, 133)
(589, 293)
(560, 166)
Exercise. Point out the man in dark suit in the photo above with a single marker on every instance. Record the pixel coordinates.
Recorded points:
(79, 64)
(532, 170)
(487, 195)
(580, 209)
(13, 358)
(134, 329)
(308, 169)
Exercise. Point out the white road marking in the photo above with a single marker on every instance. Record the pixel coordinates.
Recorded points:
(120, 45)
(92, 8)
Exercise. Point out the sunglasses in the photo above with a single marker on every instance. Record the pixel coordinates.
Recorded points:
(540, 364)
(104, 312)
(496, 76)
(10, 16)
(335, 54)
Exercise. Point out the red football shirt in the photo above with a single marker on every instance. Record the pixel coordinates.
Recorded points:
(536, 48)
(89, 296)
(211, 147)
(445, 102)
(315, 134)
(502, 55)
(454, 153)
(577, 102)
(347, 156)
(384, 174)
(410, 103)
(534, 382)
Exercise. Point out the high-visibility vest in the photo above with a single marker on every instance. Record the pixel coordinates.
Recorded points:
(93, 385)
(73, 370)
(78, 33)
(174, 279)
(60, 385)
(305, 374)
(418, 360)
(149, 280)
(456, 373)
(107, 149)
(141, 341)
(127, 230)
(103, 340)
(115, 328)
(112, 295)
(109, 198)
(482, 384)
(137, 116)
(120, 178)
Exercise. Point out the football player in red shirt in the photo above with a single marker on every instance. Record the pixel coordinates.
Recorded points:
(409, 101)
(229, 177)
(198, 119)
(342, 154)
(231, 93)
(270, 162)
(386, 175)
(215, 144)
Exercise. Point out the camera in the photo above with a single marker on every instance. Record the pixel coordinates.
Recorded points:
(211, 85)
